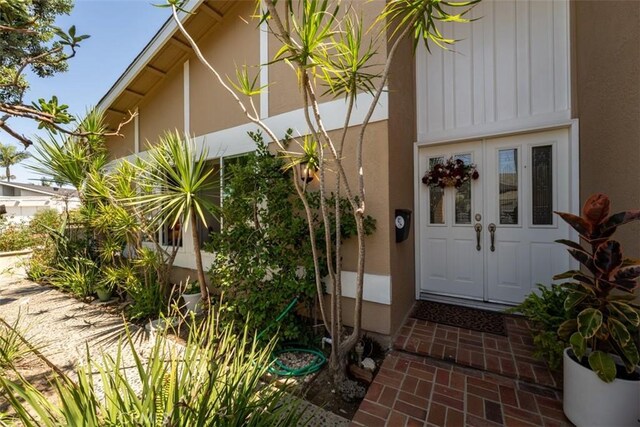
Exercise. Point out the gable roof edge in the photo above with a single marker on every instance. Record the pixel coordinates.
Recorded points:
(146, 55)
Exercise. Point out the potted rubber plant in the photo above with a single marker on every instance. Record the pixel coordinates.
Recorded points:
(601, 372)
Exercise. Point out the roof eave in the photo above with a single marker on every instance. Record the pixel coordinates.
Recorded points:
(146, 55)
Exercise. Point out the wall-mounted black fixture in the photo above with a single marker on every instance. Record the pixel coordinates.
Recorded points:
(403, 224)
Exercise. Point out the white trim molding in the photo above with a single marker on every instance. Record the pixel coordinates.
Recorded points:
(234, 141)
(377, 288)
(264, 68)
(136, 132)
(186, 98)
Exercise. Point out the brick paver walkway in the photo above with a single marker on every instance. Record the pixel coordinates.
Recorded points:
(510, 356)
(445, 376)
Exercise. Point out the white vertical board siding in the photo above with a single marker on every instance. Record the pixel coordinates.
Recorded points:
(508, 70)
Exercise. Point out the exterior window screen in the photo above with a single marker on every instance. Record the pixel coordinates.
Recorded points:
(436, 198)
(542, 185)
(463, 197)
(508, 185)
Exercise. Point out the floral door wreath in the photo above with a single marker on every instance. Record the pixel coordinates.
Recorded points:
(453, 172)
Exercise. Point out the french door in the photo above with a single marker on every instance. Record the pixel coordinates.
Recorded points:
(492, 239)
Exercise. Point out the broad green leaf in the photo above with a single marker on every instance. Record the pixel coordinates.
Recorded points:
(603, 365)
(629, 353)
(573, 299)
(627, 312)
(589, 321)
(618, 331)
(566, 275)
(578, 345)
(567, 328)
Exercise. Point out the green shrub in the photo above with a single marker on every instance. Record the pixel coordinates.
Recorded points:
(214, 381)
(546, 312)
(263, 257)
(15, 237)
(77, 275)
(44, 221)
(146, 302)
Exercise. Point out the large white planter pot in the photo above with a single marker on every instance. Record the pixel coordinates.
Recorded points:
(192, 302)
(589, 401)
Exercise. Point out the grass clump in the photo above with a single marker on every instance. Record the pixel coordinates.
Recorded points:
(12, 346)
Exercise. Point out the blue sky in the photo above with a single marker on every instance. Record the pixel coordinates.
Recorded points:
(119, 30)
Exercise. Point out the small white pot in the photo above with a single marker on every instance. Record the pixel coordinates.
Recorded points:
(192, 302)
(159, 325)
(589, 401)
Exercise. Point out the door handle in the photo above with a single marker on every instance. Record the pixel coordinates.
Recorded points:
(478, 228)
(492, 233)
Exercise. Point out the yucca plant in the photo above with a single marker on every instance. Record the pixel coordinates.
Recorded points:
(603, 294)
(214, 380)
(180, 177)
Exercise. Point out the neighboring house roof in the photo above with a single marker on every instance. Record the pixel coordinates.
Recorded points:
(167, 49)
(50, 191)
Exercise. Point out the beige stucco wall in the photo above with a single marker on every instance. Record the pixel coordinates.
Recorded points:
(402, 129)
(376, 166)
(162, 109)
(283, 90)
(607, 70)
(233, 43)
(121, 146)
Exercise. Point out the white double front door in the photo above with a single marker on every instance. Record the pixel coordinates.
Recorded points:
(492, 239)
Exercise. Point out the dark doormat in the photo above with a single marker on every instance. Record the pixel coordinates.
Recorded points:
(461, 317)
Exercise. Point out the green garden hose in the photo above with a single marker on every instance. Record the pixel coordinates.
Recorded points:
(279, 368)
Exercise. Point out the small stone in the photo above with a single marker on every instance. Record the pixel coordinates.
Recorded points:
(351, 391)
(369, 364)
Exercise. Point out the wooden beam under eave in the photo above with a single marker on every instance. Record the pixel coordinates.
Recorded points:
(113, 110)
(179, 43)
(134, 93)
(156, 71)
(211, 12)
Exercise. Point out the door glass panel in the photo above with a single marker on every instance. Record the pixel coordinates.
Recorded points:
(436, 197)
(508, 185)
(542, 183)
(463, 196)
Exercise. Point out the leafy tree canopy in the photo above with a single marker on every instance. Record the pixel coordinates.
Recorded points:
(29, 42)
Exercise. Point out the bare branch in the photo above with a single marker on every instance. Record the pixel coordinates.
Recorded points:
(6, 29)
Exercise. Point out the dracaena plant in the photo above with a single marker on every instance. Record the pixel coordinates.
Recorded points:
(602, 293)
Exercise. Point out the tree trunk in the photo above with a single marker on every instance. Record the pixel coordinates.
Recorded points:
(8, 172)
(204, 291)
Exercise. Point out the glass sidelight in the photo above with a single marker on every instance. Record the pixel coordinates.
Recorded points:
(463, 197)
(436, 197)
(542, 185)
(508, 186)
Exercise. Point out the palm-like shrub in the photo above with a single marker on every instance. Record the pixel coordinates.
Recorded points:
(214, 380)
(180, 179)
